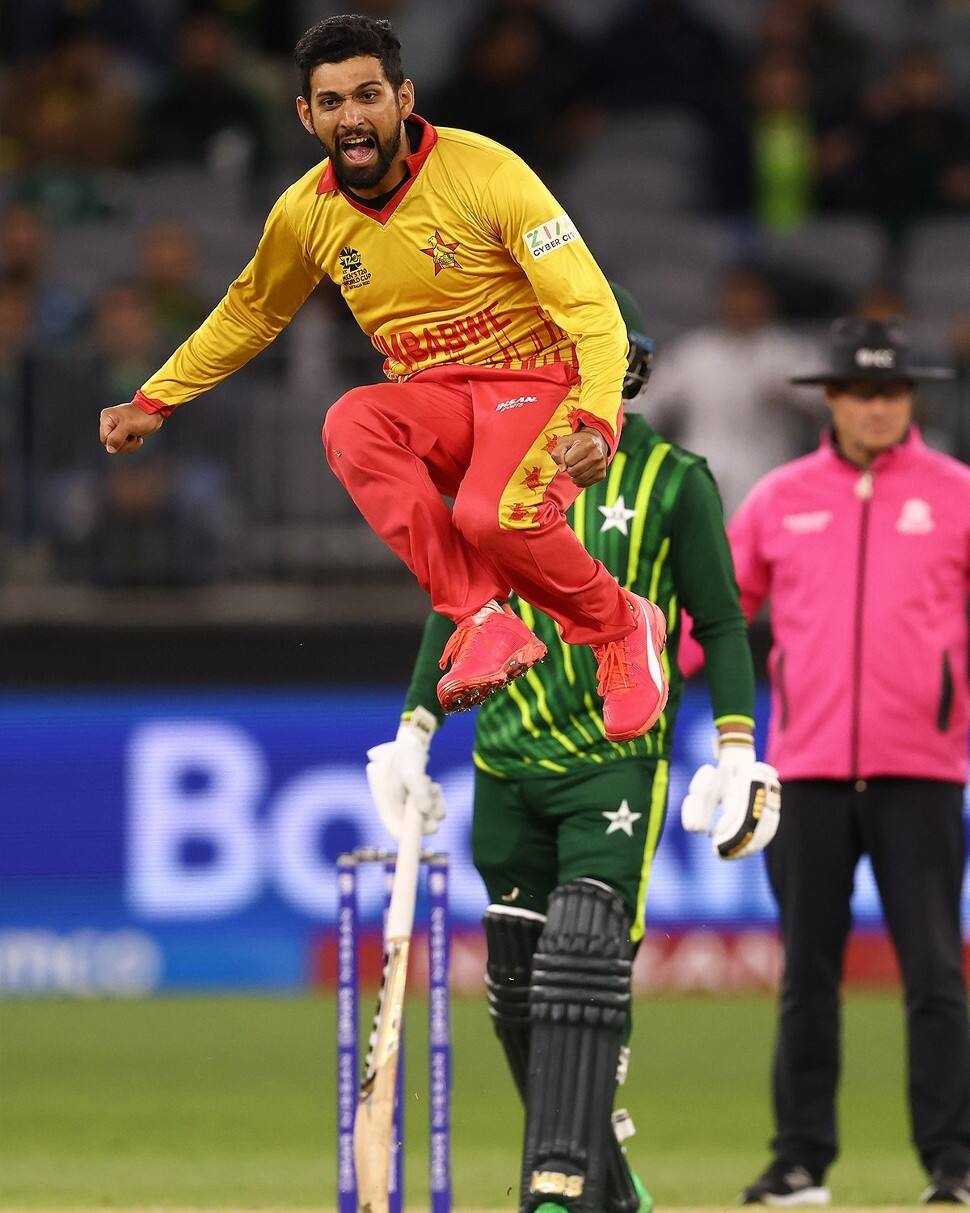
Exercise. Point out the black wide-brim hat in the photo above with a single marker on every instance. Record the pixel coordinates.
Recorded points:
(871, 351)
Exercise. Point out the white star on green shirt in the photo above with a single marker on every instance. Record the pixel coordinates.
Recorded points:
(616, 515)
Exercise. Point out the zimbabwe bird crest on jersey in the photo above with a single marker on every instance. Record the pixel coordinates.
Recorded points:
(442, 253)
(352, 266)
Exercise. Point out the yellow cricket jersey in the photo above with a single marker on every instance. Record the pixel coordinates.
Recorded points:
(471, 261)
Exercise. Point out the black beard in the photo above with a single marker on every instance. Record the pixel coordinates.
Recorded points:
(353, 178)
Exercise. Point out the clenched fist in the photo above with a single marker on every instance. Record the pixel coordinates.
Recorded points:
(124, 428)
(584, 455)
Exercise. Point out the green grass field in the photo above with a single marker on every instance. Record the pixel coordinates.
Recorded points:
(229, 1103)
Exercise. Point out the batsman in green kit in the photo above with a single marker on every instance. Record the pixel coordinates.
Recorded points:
(566, 823)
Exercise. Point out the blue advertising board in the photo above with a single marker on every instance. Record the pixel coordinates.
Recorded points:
(181, 841)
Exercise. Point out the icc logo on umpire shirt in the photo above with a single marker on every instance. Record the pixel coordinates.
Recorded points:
(915, 518)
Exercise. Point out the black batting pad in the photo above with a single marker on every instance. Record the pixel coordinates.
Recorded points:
(579, 1006)
(511, 937)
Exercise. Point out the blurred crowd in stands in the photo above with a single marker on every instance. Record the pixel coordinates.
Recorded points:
(749, 169)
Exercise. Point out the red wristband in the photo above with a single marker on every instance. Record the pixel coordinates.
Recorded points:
(580, 418)
(147, 405)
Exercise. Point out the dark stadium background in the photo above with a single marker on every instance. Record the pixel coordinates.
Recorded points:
(198, 643)
(749, 170)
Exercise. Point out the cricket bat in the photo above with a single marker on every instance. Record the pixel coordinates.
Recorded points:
(374, 1119)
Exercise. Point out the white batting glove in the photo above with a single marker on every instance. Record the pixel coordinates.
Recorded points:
(748, 793)
(397, 770)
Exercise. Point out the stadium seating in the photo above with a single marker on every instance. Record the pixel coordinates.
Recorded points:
(849, 251)
(937, 279)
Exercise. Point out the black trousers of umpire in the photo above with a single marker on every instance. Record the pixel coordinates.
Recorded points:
(912, 830)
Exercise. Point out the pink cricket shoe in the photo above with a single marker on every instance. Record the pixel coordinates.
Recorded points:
(630, 677)
(485, 656)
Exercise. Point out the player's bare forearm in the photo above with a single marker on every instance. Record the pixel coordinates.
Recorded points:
(124, 428)
(583, 455)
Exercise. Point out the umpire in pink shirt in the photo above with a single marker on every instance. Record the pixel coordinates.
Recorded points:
(863, 549)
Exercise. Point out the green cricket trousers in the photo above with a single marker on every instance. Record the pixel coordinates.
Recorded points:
(531, 835)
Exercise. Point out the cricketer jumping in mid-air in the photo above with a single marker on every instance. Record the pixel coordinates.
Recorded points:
(505, 351)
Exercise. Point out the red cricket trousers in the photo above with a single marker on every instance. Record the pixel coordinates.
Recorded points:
(483, 437)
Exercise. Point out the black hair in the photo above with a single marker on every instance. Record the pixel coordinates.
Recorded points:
(338, 38)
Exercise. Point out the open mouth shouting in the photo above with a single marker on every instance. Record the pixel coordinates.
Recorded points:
(360, 150)
(362, 158)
